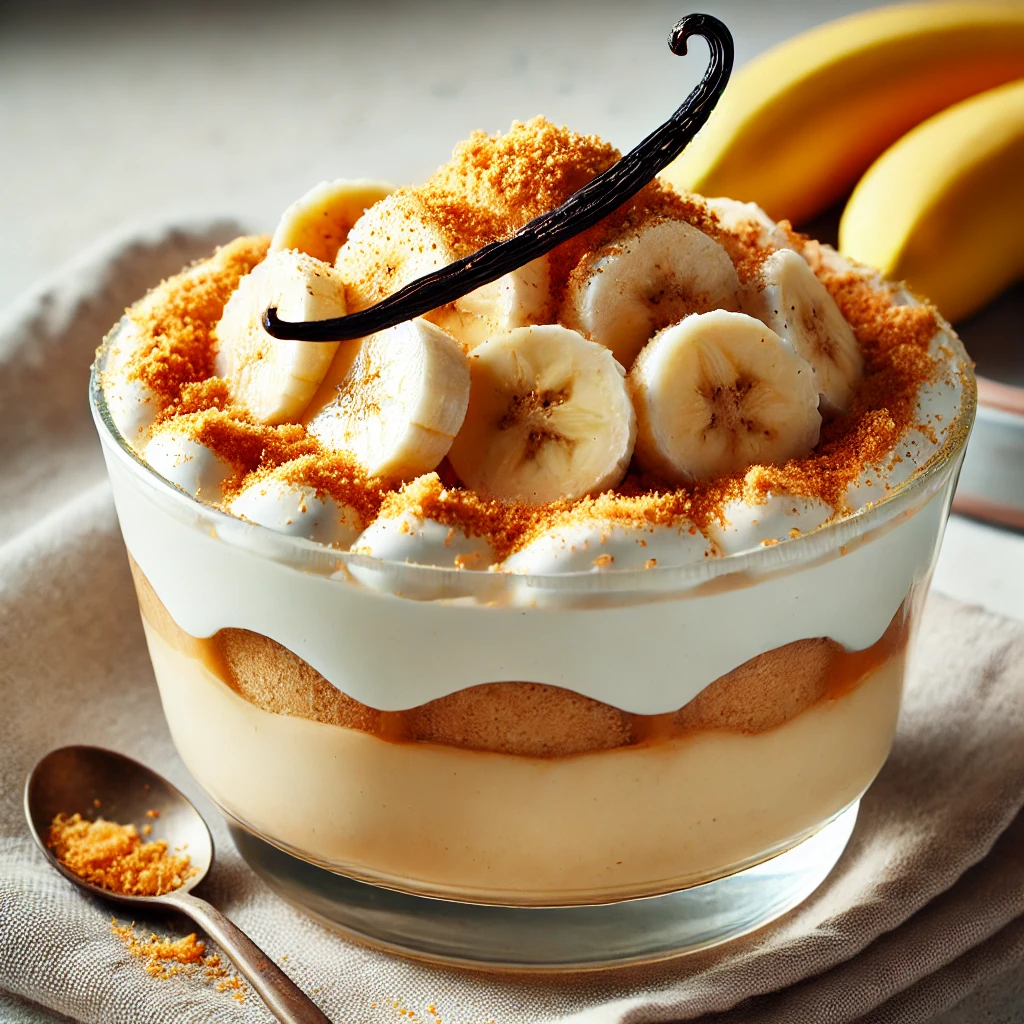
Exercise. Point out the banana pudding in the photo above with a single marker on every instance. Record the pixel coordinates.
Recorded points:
(596, 582)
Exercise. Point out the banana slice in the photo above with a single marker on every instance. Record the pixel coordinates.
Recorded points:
(400, 240)
(519, 299)
(319, 222)
(749, 222)
(799, 309)
(720, 392)
(276, 379)
(549, 417)
(645, 280)
(401, 403)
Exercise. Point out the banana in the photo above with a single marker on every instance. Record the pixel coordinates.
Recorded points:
(549, 417)
(401, 403)
(518, 299)
(400, 240)
(718, 393)
(799, 125)
(749, 222)
(645, 280)
(319, 222)
(276, 379)
(791, 301)
(943, 209)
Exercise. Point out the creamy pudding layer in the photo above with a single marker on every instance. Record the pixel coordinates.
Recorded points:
(505, 793)
(441, 820)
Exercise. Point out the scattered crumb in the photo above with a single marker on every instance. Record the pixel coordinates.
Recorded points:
(168, 958)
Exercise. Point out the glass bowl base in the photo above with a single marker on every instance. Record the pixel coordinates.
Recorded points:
(553, 938)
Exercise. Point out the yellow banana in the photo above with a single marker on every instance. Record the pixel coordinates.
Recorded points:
(943, 209)
(799, 125)
(319, 222)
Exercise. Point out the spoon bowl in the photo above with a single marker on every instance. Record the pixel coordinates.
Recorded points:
(99, 783)
(102, 783)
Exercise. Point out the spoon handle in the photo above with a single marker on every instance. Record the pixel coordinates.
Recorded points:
(283, 997)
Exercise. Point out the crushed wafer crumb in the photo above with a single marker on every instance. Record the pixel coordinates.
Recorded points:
(168, 958)
(114, 857)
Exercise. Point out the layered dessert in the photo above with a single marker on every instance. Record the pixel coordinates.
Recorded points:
(596, 582)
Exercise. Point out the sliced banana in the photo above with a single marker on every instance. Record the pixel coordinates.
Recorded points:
(645, 280)
(749, 222)
(720, 392)
(319, 222)
(276, 379)
(401, 403)
(400, 240)
(549, 417)
(519, 299)
(798, 308)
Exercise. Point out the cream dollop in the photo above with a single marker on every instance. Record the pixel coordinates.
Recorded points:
(412, 538)
(197, 470)
(600, 545)
(298, 510)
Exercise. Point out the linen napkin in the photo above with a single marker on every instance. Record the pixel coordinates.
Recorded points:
(927, 900)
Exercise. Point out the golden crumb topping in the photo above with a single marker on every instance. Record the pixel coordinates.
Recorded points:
(492, 186)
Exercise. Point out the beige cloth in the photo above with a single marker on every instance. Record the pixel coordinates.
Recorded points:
(927, 900)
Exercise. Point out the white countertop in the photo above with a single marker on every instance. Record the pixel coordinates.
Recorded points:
(110, 115)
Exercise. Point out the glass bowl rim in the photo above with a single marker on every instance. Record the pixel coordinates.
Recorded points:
(808, 547)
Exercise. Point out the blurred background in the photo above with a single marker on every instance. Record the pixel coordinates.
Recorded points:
(112, 112)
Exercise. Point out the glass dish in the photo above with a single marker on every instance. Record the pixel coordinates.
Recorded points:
(499, 769)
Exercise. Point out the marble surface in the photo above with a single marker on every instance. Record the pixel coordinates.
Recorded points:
(116, 112)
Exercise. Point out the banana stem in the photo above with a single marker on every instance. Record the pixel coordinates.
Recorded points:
(584, 208)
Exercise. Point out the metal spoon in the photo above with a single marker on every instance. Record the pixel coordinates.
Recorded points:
(72, 778)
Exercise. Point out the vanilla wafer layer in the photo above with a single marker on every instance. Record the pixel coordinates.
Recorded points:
(531, 719)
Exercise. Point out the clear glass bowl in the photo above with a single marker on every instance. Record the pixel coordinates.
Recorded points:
(700, 733)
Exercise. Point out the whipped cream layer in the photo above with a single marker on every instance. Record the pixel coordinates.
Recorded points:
(676, 442)
(645, 641)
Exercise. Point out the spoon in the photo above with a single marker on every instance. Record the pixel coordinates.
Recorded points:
(72, 778)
